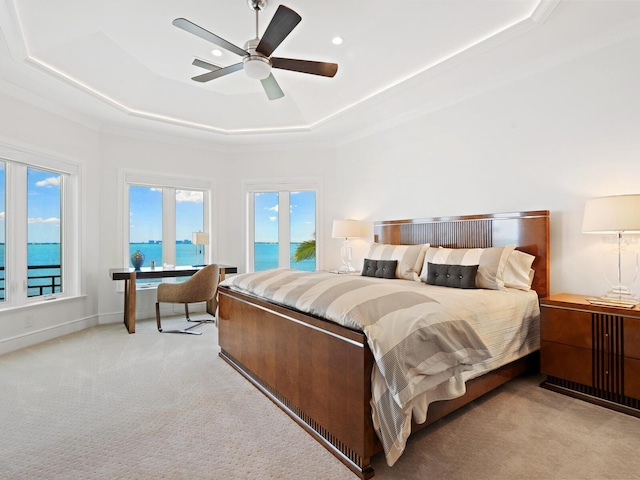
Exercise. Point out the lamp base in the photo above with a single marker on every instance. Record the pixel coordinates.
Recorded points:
(618, 296)
(610, 302)
(346, 269)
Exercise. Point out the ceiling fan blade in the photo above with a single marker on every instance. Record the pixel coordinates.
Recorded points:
(191, 27)
(305, 66)
(221, 72)
(271, 88)
(206, 65)
(282, 23)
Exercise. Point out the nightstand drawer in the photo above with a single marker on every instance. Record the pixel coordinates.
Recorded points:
(567, 362)
(632, 338)
(566, 326)
(632, 378)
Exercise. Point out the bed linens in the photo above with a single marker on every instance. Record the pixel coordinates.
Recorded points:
(426, 340)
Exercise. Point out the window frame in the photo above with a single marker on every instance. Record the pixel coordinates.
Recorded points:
(167, 183)
(17, 161)
(252, 187)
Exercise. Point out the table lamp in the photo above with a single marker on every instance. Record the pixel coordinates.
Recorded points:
(347, 229)
(200, 239)
(616, 215)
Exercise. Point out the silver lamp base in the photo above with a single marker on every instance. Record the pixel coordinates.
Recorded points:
(619, 296)
(346, 269)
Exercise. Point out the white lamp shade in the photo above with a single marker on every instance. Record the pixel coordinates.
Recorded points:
(347, 229)
(616, 214)
(200, 238)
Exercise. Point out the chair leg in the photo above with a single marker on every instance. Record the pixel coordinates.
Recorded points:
(183, 330)
(158, 316)
(197, 322)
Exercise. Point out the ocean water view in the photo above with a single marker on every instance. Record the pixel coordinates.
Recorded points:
(43, 281)
(266, 255)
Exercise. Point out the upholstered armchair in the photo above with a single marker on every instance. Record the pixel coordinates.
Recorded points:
(201, 287)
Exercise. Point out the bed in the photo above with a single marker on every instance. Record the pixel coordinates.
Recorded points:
(320, 372)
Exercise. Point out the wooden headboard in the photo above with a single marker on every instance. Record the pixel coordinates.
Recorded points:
(528, 231)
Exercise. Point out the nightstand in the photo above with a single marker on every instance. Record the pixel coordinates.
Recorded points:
(591, 352)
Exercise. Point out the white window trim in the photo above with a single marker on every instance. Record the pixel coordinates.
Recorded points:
(128, 177)
(280, 185)
(71, 257)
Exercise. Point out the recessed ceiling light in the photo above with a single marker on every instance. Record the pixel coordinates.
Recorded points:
(337, 40)
(216, 52)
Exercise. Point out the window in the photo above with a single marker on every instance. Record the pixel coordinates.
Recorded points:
(302, 230)
(189, 219)
(161, 217)
(282, 226)
(39, 243)
(265, 239)
(44, 240)
(145, 223)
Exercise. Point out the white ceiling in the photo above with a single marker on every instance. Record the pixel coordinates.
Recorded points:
(122, 64)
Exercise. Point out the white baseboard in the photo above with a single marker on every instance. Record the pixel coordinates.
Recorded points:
(31, 338)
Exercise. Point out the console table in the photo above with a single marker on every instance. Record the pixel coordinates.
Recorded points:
(130, 276)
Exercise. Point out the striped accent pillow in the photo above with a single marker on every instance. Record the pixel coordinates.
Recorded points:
(491, 263)
(409, 257)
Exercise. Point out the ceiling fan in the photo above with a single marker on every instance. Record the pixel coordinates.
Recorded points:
(257, 61)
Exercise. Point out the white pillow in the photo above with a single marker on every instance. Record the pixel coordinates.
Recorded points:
(518, 272)
(409, 257)
(491, 263)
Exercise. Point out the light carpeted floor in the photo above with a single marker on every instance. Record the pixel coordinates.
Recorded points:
(103, 404)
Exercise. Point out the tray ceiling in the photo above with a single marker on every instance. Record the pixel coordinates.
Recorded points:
(123, 60)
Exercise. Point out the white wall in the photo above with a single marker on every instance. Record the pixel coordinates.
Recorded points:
(550, 142)
(30, 129)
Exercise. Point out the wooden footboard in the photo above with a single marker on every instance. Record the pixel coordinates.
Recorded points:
(318, 372)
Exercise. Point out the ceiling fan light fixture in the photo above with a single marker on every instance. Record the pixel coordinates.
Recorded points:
(256, 54)
(257, 67)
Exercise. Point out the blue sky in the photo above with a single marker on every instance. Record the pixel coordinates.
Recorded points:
(43, 206)
(146, 211)
(145, 214)
(303, 214)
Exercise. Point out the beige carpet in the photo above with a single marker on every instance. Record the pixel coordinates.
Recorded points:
(103, 404)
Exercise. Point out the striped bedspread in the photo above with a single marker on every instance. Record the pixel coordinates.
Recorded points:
(426, 340)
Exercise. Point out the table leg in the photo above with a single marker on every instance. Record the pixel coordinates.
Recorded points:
(130, 303)
(126, 304)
